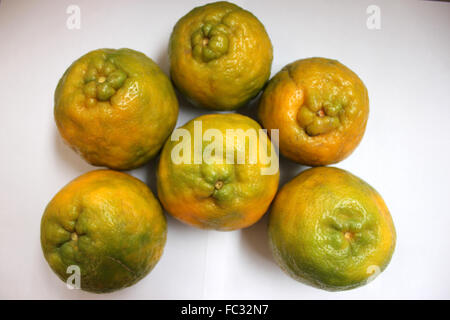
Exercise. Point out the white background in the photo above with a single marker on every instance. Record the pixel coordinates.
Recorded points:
(405, 153)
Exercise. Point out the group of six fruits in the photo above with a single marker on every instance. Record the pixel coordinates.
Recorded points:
(117, 109)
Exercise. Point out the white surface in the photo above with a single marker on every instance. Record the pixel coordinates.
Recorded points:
(405, 153)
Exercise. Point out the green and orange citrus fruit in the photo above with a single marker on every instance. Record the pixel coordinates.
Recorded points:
(115, 107)
(320, 107)
(330, 229)
(109, 225)
(220, 56)
(220, 191)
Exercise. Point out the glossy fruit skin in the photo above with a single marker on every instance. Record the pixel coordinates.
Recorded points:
(220, 56)
(189, 193)
(115, 108)
(109, 224)
(321, 108)
(330, 229)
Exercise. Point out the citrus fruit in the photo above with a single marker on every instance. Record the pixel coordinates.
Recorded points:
(220, 56)
(330, 229)
(115, 107)
(109, 225)
(321, 108)
(227, 190)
